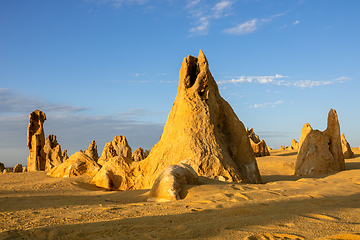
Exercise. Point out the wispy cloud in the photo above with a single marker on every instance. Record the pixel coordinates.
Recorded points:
(250, 26)
(296, 22)
(12, 102)
(267, 104)
(119, 3)
(279, 80)
(205, 14)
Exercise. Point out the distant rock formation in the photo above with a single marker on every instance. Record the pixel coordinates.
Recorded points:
(118, 147)
(24, 169)
(64, 155)
(168, 184)
(18, 168)
(138, 155)
(201, 126)
(2, 167)
(92, 151)
(78, 164)
(294, 144)
(259, 146)
(320, 152)
(53, 153)
(36, 141)
(346, 149)
(282, 147)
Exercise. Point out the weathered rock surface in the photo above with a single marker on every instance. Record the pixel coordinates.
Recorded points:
(18, 168)
(294, 144)
(259, 146)
(36, 141)
(320, 152)
(64, 155)
(346, 149)
(24, 169)
(2, 167)
(117, 174)
(168, 184)
(78, 164)
(53, 153)
(201, 126)
(118, 147)
(92, 151)
(138, 155)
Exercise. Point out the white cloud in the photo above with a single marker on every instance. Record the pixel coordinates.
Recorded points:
(267, 104)
(250, 26)
(244, 28)
(296, 22)
(205, 14)
(119, 3)
(279, 81)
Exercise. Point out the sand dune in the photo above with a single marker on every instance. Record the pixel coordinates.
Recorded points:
(35, 206)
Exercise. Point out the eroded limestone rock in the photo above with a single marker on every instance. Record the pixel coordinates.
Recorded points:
(294, 145)
(138, 155)
(117, 174)
(36, 141)
(2, 167)
(346, 149)
(201, 126)
(320, 152)
(18, 168)
(53, 153)
(168, 184)
(92, 151)
(259, 146)
(118, 147)
(78, 164)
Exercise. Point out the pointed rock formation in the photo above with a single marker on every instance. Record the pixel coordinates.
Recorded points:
(168, 184)
(36, 141)
(53, 153)
(78, 164)
(259, 146)
(64, 155)
(138, 155)
(18, 168)
(92, 151)
(203, 127)
(118, 147)
(294, 144)
(346, 149)
(320, 152)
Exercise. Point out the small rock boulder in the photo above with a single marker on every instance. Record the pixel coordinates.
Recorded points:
(346, 149)
(116, 174)
(18, 168)
(168, 184)
(78, 164)
(138, 155)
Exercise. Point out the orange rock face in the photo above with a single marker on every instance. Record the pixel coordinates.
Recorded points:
(320, 152)
(259, 146)
(36, 141)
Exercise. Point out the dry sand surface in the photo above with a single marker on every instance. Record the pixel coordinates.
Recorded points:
(35, 206)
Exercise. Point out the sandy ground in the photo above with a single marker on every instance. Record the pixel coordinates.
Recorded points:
(35, 206)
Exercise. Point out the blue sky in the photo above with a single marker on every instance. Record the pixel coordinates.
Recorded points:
(100, 68)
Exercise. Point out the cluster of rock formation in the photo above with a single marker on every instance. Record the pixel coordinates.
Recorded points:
(320, 152)
(259, 146)
(201, 127)
(43, 155)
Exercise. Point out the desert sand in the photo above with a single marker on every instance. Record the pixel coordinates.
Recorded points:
(36, 206)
